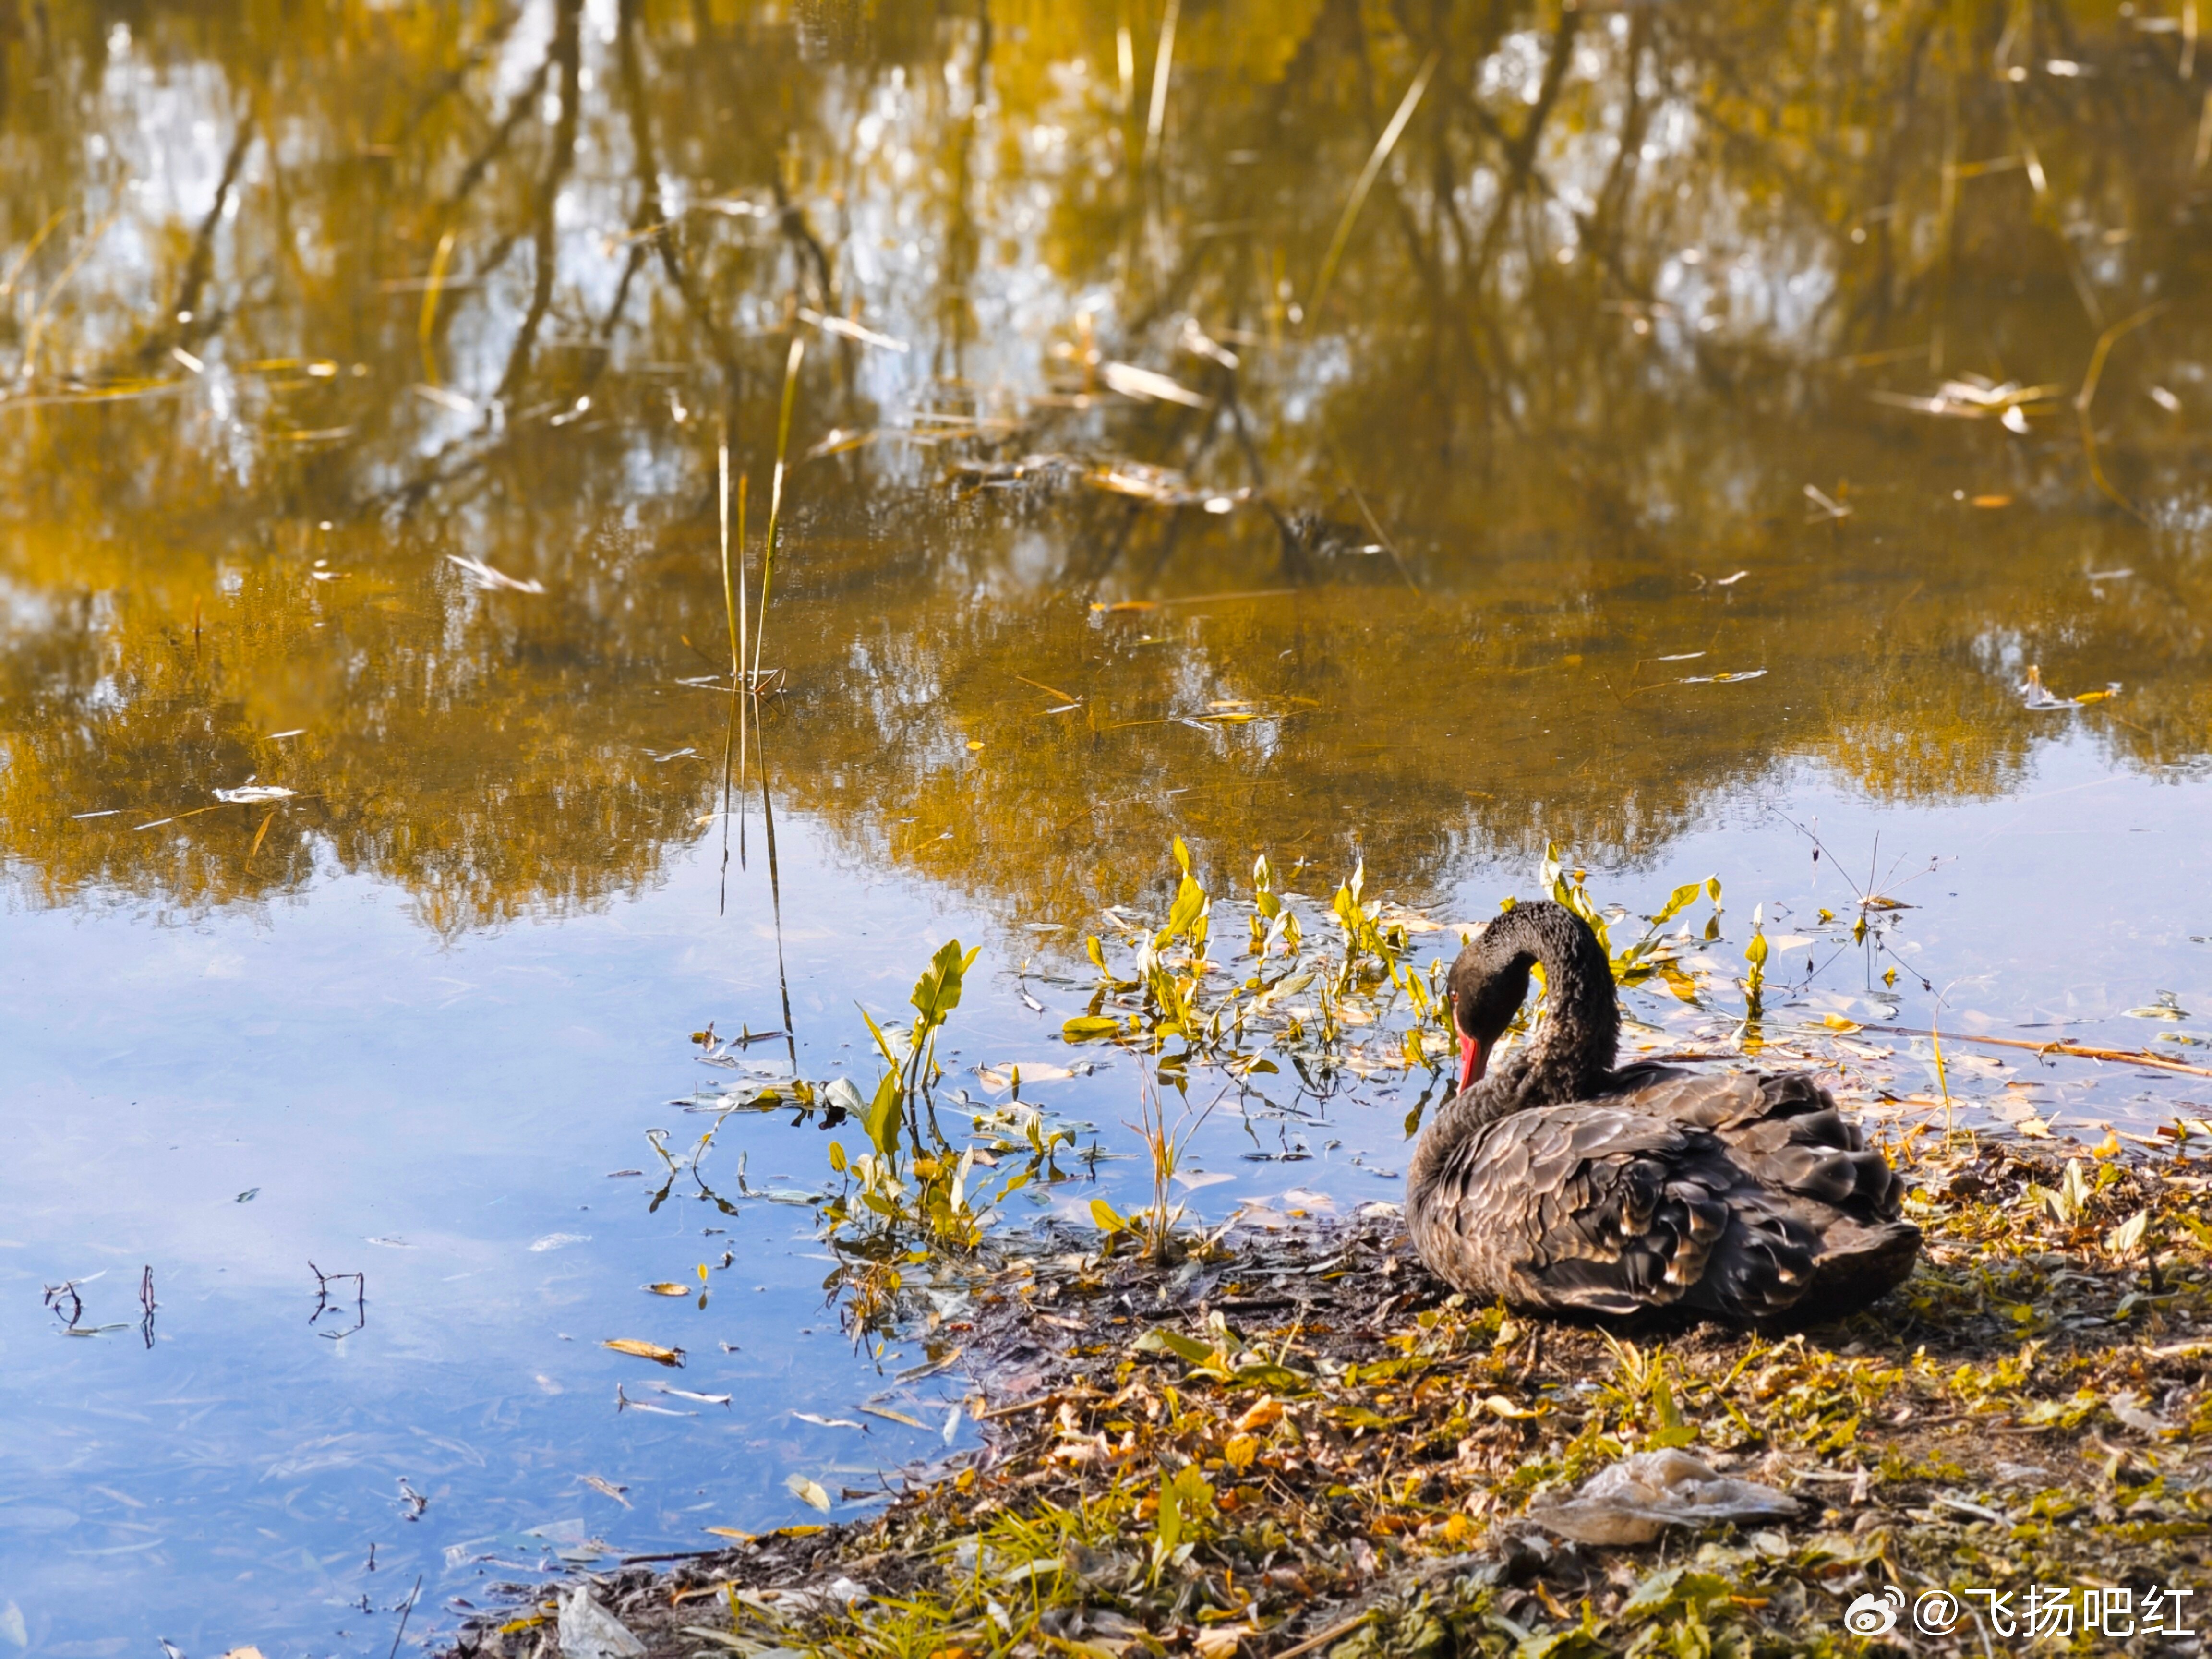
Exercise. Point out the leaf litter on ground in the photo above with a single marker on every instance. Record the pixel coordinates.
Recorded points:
(1292, 1433)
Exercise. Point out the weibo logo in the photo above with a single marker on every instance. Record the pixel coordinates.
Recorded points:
(1875, 1615)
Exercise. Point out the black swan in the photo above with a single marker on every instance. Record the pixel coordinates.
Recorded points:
(1563, 1185)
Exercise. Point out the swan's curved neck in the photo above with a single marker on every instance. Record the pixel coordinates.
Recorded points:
(1578, 1037)
(1578, 1034)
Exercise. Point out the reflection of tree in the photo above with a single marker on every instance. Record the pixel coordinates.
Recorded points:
(1564, 422)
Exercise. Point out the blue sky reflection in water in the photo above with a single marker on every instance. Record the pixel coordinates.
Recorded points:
(1675, 455)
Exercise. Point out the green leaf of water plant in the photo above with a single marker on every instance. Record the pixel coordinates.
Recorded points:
(1190, 906)
(1103, 1213)
(937, 993)
(1090, 1025)
(893, 1061)
(883, 1119)
(1681, 899)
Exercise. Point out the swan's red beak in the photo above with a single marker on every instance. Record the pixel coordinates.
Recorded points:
(1473, 1059)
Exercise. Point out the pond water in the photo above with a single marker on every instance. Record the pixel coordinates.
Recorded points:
(1693, 439)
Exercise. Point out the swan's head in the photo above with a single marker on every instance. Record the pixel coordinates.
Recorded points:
(1488, 983)
(1490, 980)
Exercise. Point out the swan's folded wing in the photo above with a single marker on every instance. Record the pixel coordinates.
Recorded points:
(1607, 1209)
(1785, 1133)
(1597, 1208)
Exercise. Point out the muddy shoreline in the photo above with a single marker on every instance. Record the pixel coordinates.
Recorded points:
(1295, 1440)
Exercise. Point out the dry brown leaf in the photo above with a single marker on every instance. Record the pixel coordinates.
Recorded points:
(652, 1351)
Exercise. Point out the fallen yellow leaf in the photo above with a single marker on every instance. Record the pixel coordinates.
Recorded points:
(652, 1351)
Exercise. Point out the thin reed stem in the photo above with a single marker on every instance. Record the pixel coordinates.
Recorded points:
(729, 596)
(737, 662)
(775, 490)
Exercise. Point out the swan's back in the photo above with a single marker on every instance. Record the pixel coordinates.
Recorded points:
(1744, 1196)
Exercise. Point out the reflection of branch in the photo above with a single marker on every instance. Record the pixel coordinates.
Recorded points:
(1603, 227)
(567, 53)
(2087, 395)
(791, 219)
(518, 109)
(650, 210)
(184, 324)
(452, 82)
(1520, 154)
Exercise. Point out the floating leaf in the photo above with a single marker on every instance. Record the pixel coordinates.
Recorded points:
(887, 1414)
(1086, 1026)
(808, 1491)
(666, 1289)
(652, 1351)
(2168, 1006)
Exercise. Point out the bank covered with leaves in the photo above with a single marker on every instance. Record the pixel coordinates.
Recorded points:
(1292, 1440)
